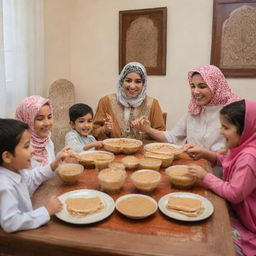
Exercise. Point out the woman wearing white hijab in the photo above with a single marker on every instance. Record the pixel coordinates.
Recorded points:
(116, 111)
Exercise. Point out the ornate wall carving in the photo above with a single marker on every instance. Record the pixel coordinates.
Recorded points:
(142, 42)
(239, 39)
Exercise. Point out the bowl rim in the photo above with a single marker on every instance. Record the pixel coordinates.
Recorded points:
(168, 169)
(69, 164)
(146, 148)
(151, 158)
(127, 164)
(176, 166)
(105, 141)
(118, 170)
(93, 152)
(158, 155)
(145, 170)
(121, 198)
(96, 151)
(64, 177)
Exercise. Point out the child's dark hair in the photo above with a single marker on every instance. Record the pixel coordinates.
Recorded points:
(79, 110)
(11, 131)
(235, 114)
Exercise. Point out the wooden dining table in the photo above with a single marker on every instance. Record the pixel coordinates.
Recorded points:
(119, 235)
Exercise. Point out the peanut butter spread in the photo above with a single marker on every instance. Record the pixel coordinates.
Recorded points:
(181, 173)
(95, 155)
(123, 143)
(136, 206)
(111, 175)
(69, 171)
(130, 159)
(164, 149)
(146, 176)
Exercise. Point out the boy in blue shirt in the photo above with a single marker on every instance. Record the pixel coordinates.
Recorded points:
(81, 121)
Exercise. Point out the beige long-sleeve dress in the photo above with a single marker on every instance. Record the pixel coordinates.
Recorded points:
(121, 128)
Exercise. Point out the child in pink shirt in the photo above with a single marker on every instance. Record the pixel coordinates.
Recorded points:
(238, 184)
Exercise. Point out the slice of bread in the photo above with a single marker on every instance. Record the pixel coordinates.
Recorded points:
(191, 207)
(81, 207)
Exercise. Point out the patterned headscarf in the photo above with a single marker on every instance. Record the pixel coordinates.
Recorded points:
(26, 112)
(121, 96)
(221, 92)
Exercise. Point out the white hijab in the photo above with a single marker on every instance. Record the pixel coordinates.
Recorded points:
(125, 100)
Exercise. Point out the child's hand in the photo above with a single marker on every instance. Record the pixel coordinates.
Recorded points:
(108, 124)
(65, 155)
(197, 171)
(97, 144)
(193, 151)
(53, 205)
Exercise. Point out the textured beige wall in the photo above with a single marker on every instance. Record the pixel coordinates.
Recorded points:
(82, 46)
(57, 25)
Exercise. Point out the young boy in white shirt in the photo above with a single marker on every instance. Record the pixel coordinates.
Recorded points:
(81, 121)
(16, 211)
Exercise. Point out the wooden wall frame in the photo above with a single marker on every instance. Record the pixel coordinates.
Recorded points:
(142, 38)
(221, 12)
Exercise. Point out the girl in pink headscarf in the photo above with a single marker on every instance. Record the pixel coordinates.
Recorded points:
(36, 111)
(238, 121)
(200, 126)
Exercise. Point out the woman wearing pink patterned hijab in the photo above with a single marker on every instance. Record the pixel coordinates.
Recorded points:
(36, 111)
(214, 79)
(201, 125)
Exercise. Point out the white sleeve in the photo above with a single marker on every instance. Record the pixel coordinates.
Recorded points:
(50, 151)
(33, 178)
(178, 135)
(11, 216)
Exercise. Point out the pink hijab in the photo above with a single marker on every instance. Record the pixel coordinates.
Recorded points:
(247, 143)
(218, 85)
(246, 210)
(26, 112)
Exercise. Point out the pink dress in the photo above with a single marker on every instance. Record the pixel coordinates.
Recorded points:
(239, 181)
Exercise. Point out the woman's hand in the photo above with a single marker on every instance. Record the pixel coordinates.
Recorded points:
(193, 151)
(197, 171)
(53, 205)
(108, 124)
(142, 124)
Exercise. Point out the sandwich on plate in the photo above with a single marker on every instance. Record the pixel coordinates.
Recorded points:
(190, 207)
(81, 207)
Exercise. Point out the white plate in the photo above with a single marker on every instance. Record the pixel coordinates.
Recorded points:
(149, 146)
(206, 204)
(87, 193)
(136, 195)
